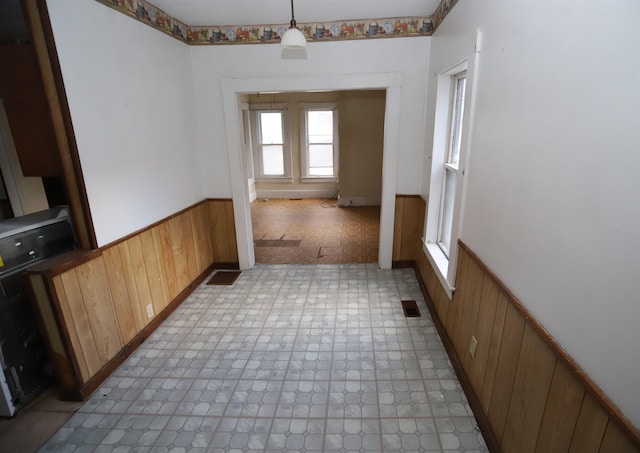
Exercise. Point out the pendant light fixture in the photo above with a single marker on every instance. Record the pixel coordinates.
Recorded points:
(293, 37)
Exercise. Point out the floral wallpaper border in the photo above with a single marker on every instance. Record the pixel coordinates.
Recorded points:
(150, 15)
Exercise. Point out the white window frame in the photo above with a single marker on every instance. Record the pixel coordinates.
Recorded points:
(304, 142)
(255, 110)
(451, 164)
(444, 261)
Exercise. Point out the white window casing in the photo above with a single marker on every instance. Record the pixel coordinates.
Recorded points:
(271, 142)
(319, 148)
(450, 152)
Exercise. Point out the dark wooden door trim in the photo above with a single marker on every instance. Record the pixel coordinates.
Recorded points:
(37, 17)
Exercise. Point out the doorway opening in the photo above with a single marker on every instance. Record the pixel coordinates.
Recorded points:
(315, 175)
(234, 92)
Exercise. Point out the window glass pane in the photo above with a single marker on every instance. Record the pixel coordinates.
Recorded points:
(271, 128)
(321, 171)
(320, 160)
(273, 160)
(321, 155)
(456, 119)
(320, 126)
(446, 218)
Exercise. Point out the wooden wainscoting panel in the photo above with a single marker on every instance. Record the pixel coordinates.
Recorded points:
(530, 391)
(179, 252)
(140, 275)
(71, 329)
(483, 329)
(223, 231)
(527, 393)
(476, 302)
(159, 297)
(397, 229)
(204, 249)
(163, 269)
(443, 303)
(459, 303)
(100, 299)
(506, 370)
(495, 344)
(561, 411)
(616, 441)
(80, 324)
(408, 227)
(94, 286)
(189, 246)
(120, 293)
(232, 245)
(590, 428)
(162, 239)
(469, 315)
(132, 286)
(434, 288)
(453, 313)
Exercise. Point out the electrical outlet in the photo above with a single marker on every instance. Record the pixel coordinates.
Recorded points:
(473, 346)
(149, 311)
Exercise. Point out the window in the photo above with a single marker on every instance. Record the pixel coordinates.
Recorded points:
(451, 162)
(447, 172)
(319, 141)
(272, 152)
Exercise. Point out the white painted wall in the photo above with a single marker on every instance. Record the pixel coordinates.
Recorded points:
(221, 73)
(552, 203)
(407, 56)
(132, 105)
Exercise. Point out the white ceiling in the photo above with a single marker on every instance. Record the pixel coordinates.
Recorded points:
(261, 12)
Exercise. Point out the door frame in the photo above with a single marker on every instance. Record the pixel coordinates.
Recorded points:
(233, 89)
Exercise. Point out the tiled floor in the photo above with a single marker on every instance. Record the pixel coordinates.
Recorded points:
(314, 231)
(303, 358)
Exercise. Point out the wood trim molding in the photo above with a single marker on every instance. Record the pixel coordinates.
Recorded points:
(591, 387)
(61, 263)
(155, 224)
(37, 17)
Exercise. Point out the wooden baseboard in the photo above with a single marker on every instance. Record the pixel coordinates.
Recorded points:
(403, 264)
(229, 266)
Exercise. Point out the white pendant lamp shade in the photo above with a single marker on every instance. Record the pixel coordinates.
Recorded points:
(293, 37)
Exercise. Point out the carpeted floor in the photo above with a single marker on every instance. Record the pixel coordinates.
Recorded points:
(314, 231)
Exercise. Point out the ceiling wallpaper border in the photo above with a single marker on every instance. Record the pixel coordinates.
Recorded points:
(396, 27)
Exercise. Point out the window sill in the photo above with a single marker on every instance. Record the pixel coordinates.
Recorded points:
(440, 264)
(282, 179)
(316, 179)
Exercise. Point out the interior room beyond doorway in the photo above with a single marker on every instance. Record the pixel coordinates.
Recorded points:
(299, 215)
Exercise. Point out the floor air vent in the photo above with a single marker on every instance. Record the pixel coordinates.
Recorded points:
(410, 308)
(224, 278)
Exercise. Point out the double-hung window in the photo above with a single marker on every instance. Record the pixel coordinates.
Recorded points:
(319, 141)
(447, 172)
(451, 163)
(271, 145)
